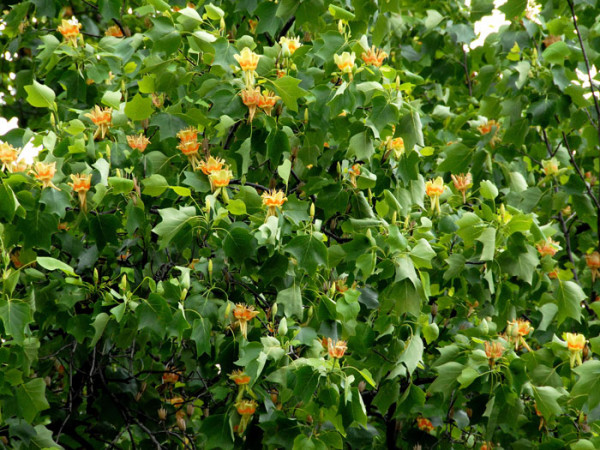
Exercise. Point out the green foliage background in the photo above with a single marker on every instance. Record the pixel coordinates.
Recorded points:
(94, 313)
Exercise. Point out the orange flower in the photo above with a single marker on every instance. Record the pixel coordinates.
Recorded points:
(488, 127)
(188, 134)
(220, 178)
(493, 351)
(548, 247)
(252, 25)
(8, 156)
(81, 184)
(252, 99)
(374, 56)
(550, 167)
(248, 61)
(575, 344)
(353, 172)
(395, 145)
(517, 330)
(289, 45)
(170, 377)
(102, 118)
(273, 200)
(245, 408)
(211, 165)
(239, 377)
(177, 401)
(138, 142)
(70, 31)
(45, 172)
(114, 31)
(244, 314)
(553, 274)
(336, 350)
(593, 262)
(463, 183)
(424, 424)
(267, 101)
(345, 61)
(435, 188)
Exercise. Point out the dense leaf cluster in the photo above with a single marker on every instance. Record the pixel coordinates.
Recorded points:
(300, 224)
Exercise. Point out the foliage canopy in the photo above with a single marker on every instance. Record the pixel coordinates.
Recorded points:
(300, 224)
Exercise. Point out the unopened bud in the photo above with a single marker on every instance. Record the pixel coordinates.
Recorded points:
(181, 423)
(207, 208)
(210, 268)
(143, 386)
(274, 310)
(123, 283)
(190, 409)
(310, 312)
(398, 83)
(228, 310)
(222, 24)
(394, 218)
(361, 386)
(312, 210)
(48, 381)
(96, 276)
(341, 26)
(162, 413)
(225, 196)
(369, 234)
(138, 396)
(183, 295)
(306, 116)
(283, 328)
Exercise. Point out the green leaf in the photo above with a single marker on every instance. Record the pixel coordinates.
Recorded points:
(513, 8)
(139, 108)
(422, 254)
(99, 325)
(488, 239)
(39, 95)
(556, 53)
(8, 203)
(546, 401)
(413, 354)
(309, 251)
(239, 243)
(155, 185)
(31, 398)
(120, 185)
(569, 296)
(411, 130)
(587, 387)
(173, 222)
(340, 13)
(15, 315)
(287, 88)
(54, 264)
(488, 190)
(291, 300)
(458, 157)
(360, 146)
(112, 99)
(236, 207)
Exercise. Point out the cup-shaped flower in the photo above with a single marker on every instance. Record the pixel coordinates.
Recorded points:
(575, 344)
(220, 179)
(247, 59)
(81, 184)
(374, 56)
(593, 262)
(273, 200)
(267, 101)
(138, 142)
(211, 165)
(548, 247)
(491, 126)
(424, 424)
(251, 97)
(244, 314)
(8, 156)
(239, 377)
(336, 349)
(102, 118)
(493, 351)
(70, 31)
(345, 62)
(45, 173)
(463, 183)
(435, 188)
(289, 45)
(114, 31)
(550, 167)
(245, 408)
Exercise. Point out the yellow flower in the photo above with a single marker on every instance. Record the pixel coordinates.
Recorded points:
(593, 262)
(239, 377)
(289, 45)
(336, 349)
(434, 189)
(138, 142)
(353, 172)
(548, 247)
(395, 145)
(211, 165)
(114, 31)
(45, 172)
(575, 344)
(517, 330)
(189, 145)
(243, 315)
(273, 200)
(374, 56)
(188, 134)
(550, 167)
(488, 127)
(463, 183)
(267, 101)
(8, 155)
(251, 97)
(248, 61)
(345, 61)
(245, 408)
(70, 31)
(81, 184)
(220, 178)
(102, 118)
(493, 351)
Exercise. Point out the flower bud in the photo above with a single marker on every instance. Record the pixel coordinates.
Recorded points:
(162, 413)
(341, 26)
(361, 386)
(181, 423)
(190, 409)
(306, 116)
(283, 328)
(394, 218)
(123, 283)
(96, 276)
(274, 310)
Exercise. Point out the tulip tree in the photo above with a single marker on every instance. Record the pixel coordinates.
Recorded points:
(300, 224)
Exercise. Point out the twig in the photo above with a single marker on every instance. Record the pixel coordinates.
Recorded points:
(466, 67)
(246, 183)
(286, 27)
(580, 173)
